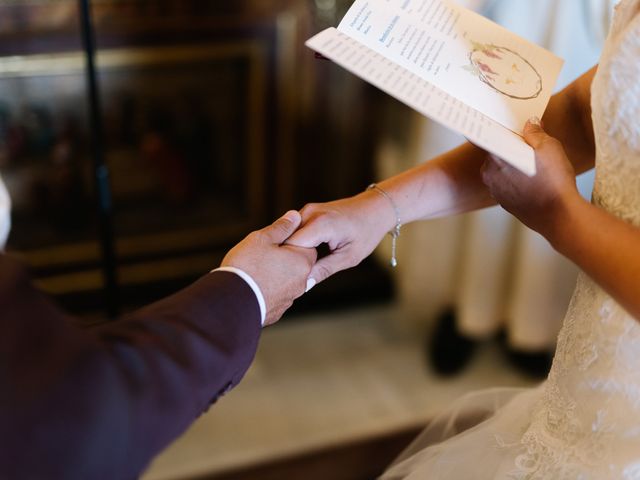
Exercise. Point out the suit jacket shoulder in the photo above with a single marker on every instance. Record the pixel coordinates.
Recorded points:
(101, 403)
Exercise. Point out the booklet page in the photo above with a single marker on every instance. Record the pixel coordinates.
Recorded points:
(491, 69)
(424, 97)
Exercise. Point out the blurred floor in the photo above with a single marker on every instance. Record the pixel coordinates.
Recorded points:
(321, 381)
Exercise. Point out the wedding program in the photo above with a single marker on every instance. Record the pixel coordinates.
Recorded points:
(451, 65)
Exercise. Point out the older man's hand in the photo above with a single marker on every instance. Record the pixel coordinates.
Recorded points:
(281, 271)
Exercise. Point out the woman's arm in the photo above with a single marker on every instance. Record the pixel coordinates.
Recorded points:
(452, 184)
(447, 185)
(602, 245)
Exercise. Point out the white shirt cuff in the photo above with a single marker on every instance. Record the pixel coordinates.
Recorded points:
(5, 215)
(254, 286)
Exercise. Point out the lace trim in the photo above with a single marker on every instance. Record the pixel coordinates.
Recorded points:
(587, 423)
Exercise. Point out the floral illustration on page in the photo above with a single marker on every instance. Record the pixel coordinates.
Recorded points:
(505, 71)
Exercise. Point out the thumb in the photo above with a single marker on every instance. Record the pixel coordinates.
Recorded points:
(327, 266)
(534, 133)
(283, 228)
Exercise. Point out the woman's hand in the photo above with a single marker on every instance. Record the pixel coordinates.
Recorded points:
(541, 201)
(352, 228)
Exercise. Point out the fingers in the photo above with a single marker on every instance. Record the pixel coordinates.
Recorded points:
(534, 133)
(313, 233)
(308, 254)
(325, 267)
(301, 263)
(309, 236)
(498, 162)
(498, 175)
(490, 168)
(549, 150)
(283, 228)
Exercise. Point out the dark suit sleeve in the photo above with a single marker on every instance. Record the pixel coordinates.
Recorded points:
(94, 404)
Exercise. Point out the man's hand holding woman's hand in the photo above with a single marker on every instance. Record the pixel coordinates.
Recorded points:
(282, 258)
(281, 271)
(352, 228)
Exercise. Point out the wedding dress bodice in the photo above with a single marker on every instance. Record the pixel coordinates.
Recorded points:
(587, 423)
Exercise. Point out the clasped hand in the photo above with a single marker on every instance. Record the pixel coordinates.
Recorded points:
(282, 258)
(353, 227)
(540, 202)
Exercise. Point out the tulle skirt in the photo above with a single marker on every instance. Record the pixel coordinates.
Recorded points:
(478, 437)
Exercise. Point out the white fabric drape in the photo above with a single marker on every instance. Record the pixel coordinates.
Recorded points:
(490, 267)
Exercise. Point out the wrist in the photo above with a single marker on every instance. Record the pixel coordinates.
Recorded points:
(563, 219)
(379, 211)
(395, 231)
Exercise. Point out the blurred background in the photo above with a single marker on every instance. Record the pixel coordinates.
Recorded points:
(216, 120)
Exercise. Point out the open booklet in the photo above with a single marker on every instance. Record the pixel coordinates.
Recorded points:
(451, 65)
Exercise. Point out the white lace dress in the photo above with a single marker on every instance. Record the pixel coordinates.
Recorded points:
(584, 421)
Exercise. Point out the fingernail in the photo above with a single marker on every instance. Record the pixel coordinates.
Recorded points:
(311, 282)
(535, 121)
(291, 215)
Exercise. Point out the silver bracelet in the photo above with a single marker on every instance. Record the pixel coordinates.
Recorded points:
(395, 233)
